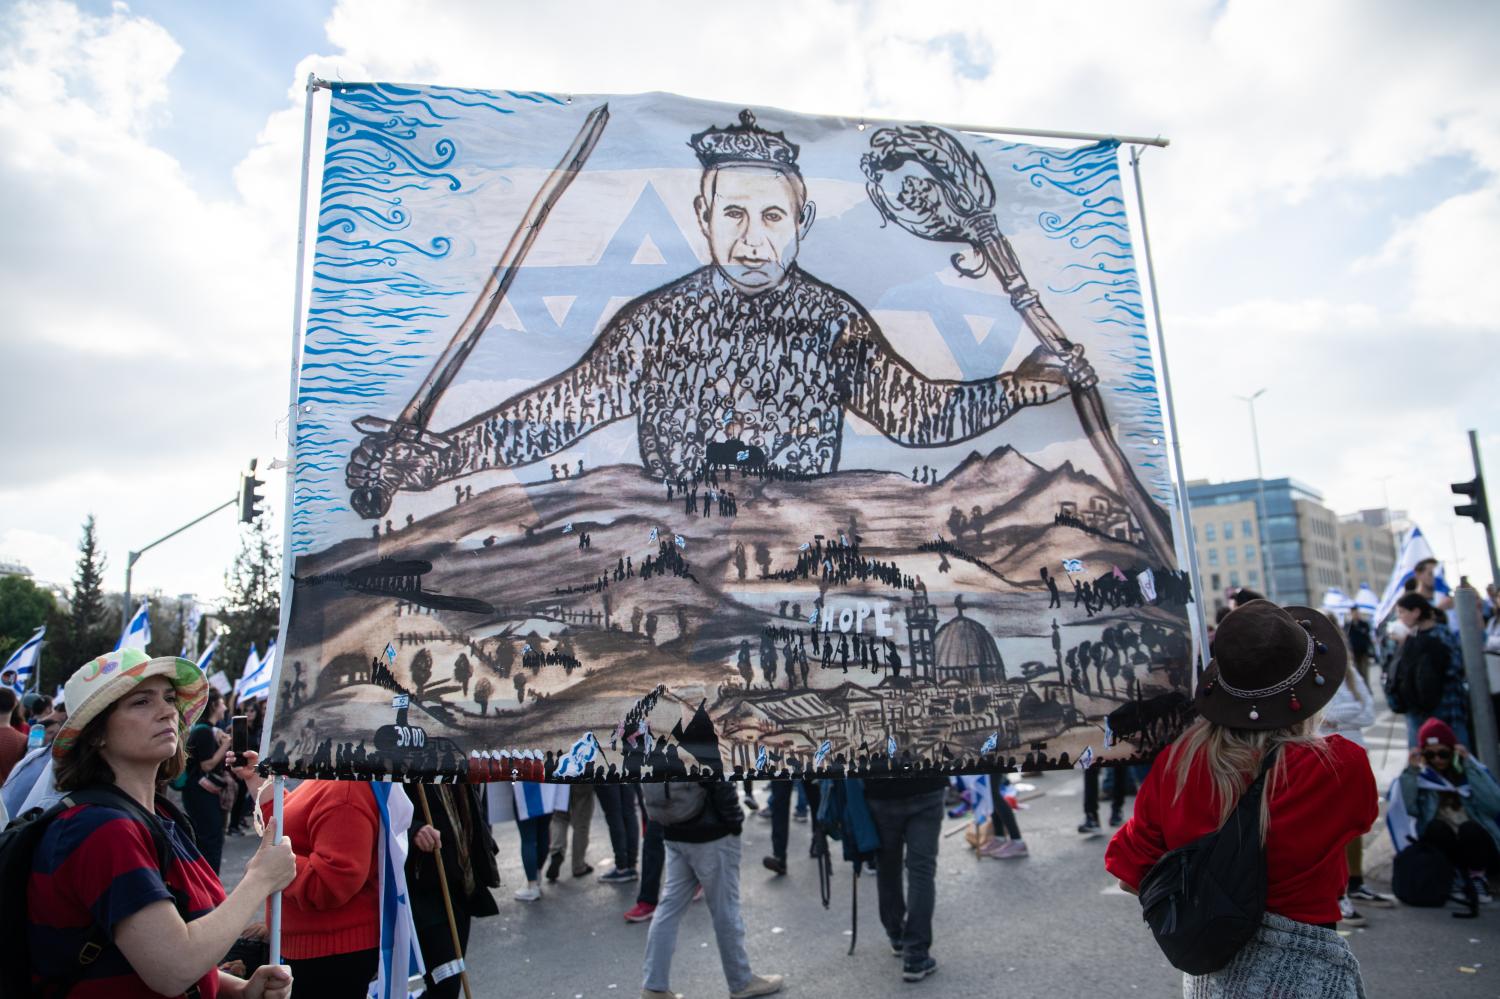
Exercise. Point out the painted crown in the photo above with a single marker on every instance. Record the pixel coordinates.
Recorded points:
(745, 144)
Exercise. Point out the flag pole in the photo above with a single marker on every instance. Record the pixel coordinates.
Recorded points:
(291, 452)
(437, 855)
(1180, 485)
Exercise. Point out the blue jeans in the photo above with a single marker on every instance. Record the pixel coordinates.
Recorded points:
(617, 801)
(909, 829)
(781, 809)
(536, 836)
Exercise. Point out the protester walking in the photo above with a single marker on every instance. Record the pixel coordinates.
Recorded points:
(1448, 800)
(617, 802)
(701, 824)
(782, 792)
(577, 818)
(1273, 671)
(121, 902)
(1348, 713)
(1361, 643)
(908, 814)
(208, 790)
(531, 806)
(1427, 679)
(460, 834)
(330, 915)
(1003, 820)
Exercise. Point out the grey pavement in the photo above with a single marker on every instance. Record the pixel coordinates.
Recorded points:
(1051, 924)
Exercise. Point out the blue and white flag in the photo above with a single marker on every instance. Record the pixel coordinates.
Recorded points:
(573, 763)
(137, 634)
(890, 745)
(1086, 758)
(205, 661)
(390, 653)
(981, 804)
(822, 754)
(990, 744)
(1072, 565)
(761, 757)
(400, 955)
(1414, 550)
(256, 684)
(24, 660)
(190, 625)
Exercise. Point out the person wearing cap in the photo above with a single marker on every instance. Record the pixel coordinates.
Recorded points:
(96, 880)
(1455, 803)
(1273, 671)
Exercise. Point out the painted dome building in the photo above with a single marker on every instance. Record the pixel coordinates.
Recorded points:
(965, 653)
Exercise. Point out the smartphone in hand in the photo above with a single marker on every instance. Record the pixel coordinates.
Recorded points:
(239, 735)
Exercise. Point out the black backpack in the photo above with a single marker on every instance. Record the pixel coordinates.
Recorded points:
(1204, 901)
(18, 844)
(1421, 876)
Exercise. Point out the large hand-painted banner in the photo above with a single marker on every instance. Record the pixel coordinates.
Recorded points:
(640, 436)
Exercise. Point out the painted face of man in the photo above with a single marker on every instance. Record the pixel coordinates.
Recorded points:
(754, 219)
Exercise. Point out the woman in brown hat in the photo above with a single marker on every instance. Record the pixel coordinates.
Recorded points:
(1273, 671)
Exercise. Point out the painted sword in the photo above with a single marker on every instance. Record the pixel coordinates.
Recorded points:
(372, 501)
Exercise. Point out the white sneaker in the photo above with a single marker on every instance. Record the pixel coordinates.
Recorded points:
(528, 895)
(760, 985)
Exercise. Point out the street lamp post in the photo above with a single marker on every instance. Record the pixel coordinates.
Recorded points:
(1260, 485)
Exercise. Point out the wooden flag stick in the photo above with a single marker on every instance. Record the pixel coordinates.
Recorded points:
(437, 855)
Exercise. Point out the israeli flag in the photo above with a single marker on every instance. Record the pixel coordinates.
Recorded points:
(1072, 565)
(890, 745)
(761, 758)
(206, 660)
(680, 540)
(1414, 550)
(981, 804)
(137, 634)
(1147, 582)
(257, 685)
(822, 754)
(654, 535)
(990, 744)
(569, 528)
(400, 956)
(1086, 758)
(577, 758)
(24, 660)
(190, 631)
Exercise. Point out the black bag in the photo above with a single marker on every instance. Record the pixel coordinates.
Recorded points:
(1422, 876)
(18, 844)
(1391, 683)
(1204, 901)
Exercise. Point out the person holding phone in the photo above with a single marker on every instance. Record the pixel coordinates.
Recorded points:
(207, 788)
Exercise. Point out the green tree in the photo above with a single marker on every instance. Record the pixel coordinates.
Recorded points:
(24, 607)
(252, 605)
(95, 623)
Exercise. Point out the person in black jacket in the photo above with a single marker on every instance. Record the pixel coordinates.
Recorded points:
(1428, 680)
(704, 850)
(459, 829)
(1361, 642)
(908, 813)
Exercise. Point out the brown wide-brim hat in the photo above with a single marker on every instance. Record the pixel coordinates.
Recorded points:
(1272, 667)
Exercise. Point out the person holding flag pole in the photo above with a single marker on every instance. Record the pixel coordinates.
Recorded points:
(23, 662)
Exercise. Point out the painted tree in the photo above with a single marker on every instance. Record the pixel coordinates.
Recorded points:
(463, 671)
(483, 691)
(519, 681)
(421, 670)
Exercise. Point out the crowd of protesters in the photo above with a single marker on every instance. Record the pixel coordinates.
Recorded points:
(118, 870)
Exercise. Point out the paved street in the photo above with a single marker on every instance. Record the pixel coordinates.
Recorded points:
(1049, 925)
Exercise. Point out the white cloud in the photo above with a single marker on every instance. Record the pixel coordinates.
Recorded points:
(1449, 255)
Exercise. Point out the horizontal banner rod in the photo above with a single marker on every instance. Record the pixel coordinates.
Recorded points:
(1036, 133)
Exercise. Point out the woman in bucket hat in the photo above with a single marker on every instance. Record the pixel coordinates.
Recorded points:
(1273, 671)
(105, 916)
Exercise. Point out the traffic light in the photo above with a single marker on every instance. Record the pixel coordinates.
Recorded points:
(250, 499)
(1476, 509)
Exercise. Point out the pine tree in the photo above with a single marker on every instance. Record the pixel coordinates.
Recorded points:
(95, 625)
(252, 605)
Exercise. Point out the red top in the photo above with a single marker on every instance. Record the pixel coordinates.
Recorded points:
(333, 905)
(12, 748)
(95, 867)
(1323, 802)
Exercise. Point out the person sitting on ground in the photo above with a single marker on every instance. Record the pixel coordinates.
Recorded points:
(1452, 803)
(703, 850)
(1273, 670)
(97, 880)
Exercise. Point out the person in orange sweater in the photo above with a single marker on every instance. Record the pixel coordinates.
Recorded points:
(330, 913)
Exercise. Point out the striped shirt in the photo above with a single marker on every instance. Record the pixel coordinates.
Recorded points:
(95, 867)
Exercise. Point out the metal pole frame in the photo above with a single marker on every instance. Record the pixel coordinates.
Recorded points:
(1180, 483)
(291, 455)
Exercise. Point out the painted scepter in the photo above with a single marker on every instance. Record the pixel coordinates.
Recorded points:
(945, 194)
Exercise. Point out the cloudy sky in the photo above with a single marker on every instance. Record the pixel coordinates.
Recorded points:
(1324, 220)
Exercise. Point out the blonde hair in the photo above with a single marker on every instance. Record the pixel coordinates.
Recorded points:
(1233, 758)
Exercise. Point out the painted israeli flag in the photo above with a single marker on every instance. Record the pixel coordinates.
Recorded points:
(24, 660)
(137, 634)
(890, 745)
(654, 535)
(1414, 550)
(1147, 583)
(569, 528)
(1072, 565)
(822, 754)
(804, 546)
(257, 685)
(390, 653)
(1085, 758)
(990, 744)
(400, 956)
(761, 757)
(578, 757)
(813, 617)
(205, 661)
(680, 540)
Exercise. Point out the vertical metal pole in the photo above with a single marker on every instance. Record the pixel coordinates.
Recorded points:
(291, 454)
(1489, 524)
(1166, 381)
(1482, 740)
(277, 788)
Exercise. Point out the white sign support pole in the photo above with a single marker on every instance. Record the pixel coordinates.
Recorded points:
(1201, 617)
(279, 782)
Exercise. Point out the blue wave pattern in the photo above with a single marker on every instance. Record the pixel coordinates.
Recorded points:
(380, 300)
(1090, 222)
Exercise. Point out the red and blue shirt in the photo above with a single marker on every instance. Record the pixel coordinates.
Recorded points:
(94, 867)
